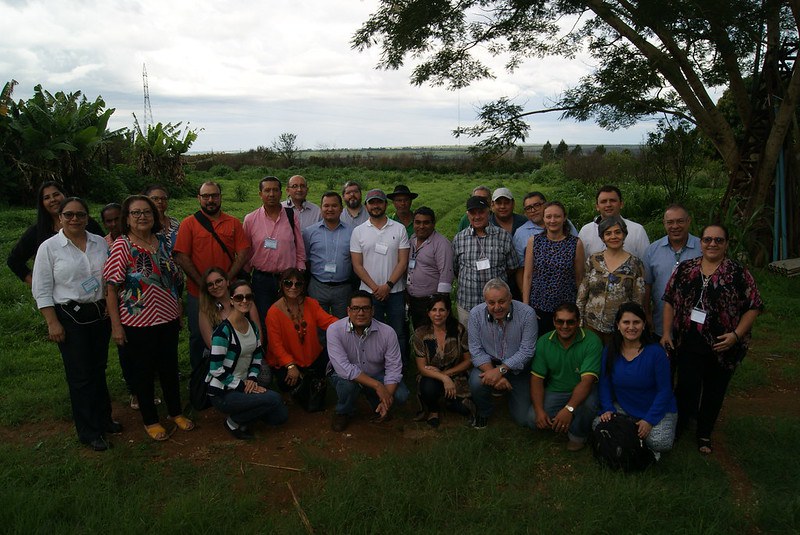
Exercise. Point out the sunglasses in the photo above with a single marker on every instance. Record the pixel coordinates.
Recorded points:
(242, 297)
(80, 216)
(565, 322)
(717, 239)
(289, 283)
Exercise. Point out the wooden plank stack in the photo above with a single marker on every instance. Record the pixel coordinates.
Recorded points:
(787, 268)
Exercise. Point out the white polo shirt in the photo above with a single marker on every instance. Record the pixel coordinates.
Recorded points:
(636, 242)
(380, 250)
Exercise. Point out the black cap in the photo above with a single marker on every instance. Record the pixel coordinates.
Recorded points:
(477, 201)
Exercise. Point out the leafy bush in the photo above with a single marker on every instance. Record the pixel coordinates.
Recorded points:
(220, 170)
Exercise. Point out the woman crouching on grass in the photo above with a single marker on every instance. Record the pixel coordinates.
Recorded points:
(236, 360)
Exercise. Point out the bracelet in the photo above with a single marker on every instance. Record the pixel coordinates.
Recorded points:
(290, 366)
(736, 335)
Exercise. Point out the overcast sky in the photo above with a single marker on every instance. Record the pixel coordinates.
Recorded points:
(247, 71)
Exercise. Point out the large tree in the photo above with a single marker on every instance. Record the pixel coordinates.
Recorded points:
(652, 57)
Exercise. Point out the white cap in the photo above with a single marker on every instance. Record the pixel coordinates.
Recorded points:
(502, 192)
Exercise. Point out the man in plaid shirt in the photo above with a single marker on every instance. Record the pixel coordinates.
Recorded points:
(480, 253)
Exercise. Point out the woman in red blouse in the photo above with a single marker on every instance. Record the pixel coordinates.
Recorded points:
(144, 307)
(294, 351)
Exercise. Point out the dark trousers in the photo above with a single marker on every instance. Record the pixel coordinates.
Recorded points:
(196, 344)
(126, 367)
(702, 383)
(417, 311)
(84, 352)
(392, 311)
(154, 350)
(545, 321)
(265, 289)
(431, 392)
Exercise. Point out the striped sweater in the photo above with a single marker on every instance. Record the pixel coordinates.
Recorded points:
(225, 352)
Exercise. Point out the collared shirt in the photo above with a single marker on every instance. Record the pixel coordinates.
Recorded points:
(203, 250)
(563, 367)
(636, 242)
(513, 342)
(374, 353)
(430, 266)
(328, 251)
(351, 221)
(379, 248)
(524, 233)
(660, 262)
(309, 213)
(274, 248)
(63, 273)
(409, 227)
(517, 220)
(468, 249)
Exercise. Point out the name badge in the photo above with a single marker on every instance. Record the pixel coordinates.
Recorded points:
(381, 248)
(482, 264)
(699, 316)
(90, 285)
(330, 267)
(270, 243)
(412, 263)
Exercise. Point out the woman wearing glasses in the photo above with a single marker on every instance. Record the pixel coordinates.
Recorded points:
(711, 303)
(294, 352)
(236, 360)
(169, 224)
(613, 276)
(143, 303)
(67, 286)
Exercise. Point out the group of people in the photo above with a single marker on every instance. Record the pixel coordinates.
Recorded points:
(572, 327)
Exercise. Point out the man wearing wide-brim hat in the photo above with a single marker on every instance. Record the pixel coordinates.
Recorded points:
(401, 197)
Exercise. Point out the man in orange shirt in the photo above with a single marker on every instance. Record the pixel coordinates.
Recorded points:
(208, 238)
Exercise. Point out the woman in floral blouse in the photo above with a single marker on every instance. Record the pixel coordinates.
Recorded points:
(613, 277)
(711, 303)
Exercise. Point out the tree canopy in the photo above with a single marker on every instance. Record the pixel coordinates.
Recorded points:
(663, 58)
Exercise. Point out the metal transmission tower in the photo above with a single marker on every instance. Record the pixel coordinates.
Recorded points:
(148, 112)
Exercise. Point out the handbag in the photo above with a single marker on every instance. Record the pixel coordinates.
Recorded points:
(310, 392)
(616, 445)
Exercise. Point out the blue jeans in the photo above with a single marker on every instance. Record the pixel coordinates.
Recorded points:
(265, 290)
(519, 398)
(582, 417)
(392, 312)
(347, 394)
(245, 408)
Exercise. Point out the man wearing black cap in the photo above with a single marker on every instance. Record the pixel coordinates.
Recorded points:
(401, 198)
(480, 253)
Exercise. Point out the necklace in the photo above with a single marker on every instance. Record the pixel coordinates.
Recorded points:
(142, 243)
(300, 324)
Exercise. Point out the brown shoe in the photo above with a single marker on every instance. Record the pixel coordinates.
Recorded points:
(573, 445)
(340, 422)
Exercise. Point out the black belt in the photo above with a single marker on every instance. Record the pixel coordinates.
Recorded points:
(267, 273)
(332, 283)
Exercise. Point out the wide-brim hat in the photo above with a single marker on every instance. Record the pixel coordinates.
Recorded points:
(402, 189)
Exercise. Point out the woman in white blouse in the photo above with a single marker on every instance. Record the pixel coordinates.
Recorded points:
(68, 288)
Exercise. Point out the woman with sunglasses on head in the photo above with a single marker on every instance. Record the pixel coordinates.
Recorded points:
(710, 304)
(67, 285)
(613, 276)
(236, 360)
(143, 303)
(48, 223)
(635, 380)
(294, 351)
(216, 304)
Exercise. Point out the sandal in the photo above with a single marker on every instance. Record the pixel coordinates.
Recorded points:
(184, 423)
(134, 402)
(704, 446)
(158, 433)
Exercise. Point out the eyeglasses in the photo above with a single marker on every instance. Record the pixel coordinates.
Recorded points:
(215, 283)
(242, 297)
(534, 206)
(156, 198)
(357, 309)
(565, 322)
(297, 186)
(719, 240)
(80, 216)
(136, 214)
(209, 196)
(289, 283)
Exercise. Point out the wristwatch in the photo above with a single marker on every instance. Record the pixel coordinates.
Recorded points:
(570, 408)
(390, 284)
(502, 369)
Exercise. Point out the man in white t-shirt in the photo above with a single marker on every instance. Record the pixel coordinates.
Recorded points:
(379, 250)
(609, 203)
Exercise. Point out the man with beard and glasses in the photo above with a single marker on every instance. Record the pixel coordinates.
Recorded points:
(354, 213)
(199, 246)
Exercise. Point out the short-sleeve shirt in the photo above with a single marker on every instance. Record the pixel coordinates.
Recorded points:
(636, 242)
(562, 368)
(203, 250)
(468, 248)
(369, 240)
(274, 246)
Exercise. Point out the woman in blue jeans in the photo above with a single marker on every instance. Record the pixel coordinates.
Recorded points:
(236, 359)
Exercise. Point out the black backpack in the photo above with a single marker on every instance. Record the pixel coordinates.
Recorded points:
(617, 445)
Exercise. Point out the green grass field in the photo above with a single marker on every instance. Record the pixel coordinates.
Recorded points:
(502, 480)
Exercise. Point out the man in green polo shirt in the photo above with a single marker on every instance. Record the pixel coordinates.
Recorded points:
(564, 373)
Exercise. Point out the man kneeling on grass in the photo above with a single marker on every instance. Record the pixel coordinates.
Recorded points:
(365, 356)
(567, 360)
